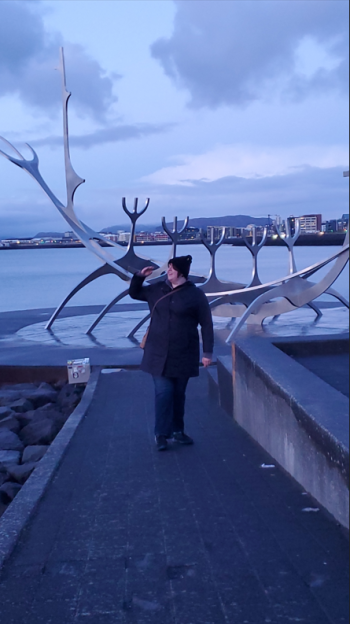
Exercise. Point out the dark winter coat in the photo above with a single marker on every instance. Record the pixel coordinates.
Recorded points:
(172, 347)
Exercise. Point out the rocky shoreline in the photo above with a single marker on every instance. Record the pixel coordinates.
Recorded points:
(31, 416)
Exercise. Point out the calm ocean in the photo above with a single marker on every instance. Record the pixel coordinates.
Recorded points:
(42, 278)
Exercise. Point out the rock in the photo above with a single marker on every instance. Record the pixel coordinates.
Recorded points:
(9, 458)
(13, 392)
(20, 474)
(9, 441)
(5, 412)
(8, 396)
(3, 478)
(59, 385)
(33, 453)
(21, 406)
(10, 423)
(47, 387)
(26, 418)
(42, 412)
(52, 414)
(69, 397)
(8, 491)
(42, 432)
(23, 387)
(42, 395)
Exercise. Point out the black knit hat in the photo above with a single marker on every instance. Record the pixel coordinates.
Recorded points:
(182, 264)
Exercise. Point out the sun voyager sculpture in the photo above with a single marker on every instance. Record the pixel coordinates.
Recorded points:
(248, 303)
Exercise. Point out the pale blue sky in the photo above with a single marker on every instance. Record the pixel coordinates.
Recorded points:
(209, 107)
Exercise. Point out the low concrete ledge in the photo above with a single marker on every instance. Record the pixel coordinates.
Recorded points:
(213, 384)
(22, 508)
(225, 383)
(299, 419)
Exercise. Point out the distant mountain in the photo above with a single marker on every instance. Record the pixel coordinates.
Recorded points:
(238, 221)
(142, 227)
(49, 235)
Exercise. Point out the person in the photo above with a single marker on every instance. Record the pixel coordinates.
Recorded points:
(172, 350)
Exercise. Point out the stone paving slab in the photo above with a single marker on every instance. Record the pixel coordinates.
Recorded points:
(198, 535)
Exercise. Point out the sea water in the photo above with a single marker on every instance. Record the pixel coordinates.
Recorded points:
(42, 278)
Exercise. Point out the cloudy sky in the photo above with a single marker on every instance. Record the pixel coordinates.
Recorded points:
(209, 107)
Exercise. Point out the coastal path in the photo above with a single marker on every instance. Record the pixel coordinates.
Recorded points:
(209, 534)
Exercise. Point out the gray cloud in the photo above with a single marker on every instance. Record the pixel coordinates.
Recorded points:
(303, 191)
(29, 55)
(237, 52)
(307, 191)
(107, 135)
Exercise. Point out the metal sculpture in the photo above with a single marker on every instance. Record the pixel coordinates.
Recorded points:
(213, 284)
(175, 233)
(252, 303)
(290, 239)
(122, 266)
(89, 237)
(292, 291)
(134, 260)
(255, 248)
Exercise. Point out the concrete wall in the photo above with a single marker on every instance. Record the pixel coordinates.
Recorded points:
(298, 418)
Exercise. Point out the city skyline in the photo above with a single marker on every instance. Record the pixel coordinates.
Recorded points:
(309, 224)
(156, 113)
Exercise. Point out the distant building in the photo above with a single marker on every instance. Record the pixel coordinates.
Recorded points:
(114, 238)
(124, 237)
(161, 237)
(231, 232)
(343, 223)
(311, 224)
(190, 233)
(144, 237)
(330, 226)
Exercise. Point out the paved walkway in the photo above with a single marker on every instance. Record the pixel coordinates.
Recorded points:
(199, 535)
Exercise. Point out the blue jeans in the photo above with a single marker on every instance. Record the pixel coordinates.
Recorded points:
(170, 404)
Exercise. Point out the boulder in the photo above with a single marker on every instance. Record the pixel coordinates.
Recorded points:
(21, 406)
(52, 414)
(9, 441)
(48, 387)
(20, 474)
(5, 412)
(8, 491)
(42, 432)
(69, 397)
(59, 385)
(25, 418)
(42, 412)
(33, 453)
(23, 387)
(3, 478)
(10, 423)
(42, 395)
(8, 396)
(9, 458)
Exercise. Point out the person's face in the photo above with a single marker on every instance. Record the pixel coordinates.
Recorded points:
(173, 275)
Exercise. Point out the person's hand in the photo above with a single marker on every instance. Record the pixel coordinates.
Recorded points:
(206, 362)
(147, 271)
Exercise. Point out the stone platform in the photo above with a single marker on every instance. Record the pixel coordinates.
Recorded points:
(24, 341)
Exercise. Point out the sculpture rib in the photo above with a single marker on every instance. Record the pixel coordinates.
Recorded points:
(296, 290)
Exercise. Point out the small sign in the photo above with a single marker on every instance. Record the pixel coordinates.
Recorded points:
(79, 371)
